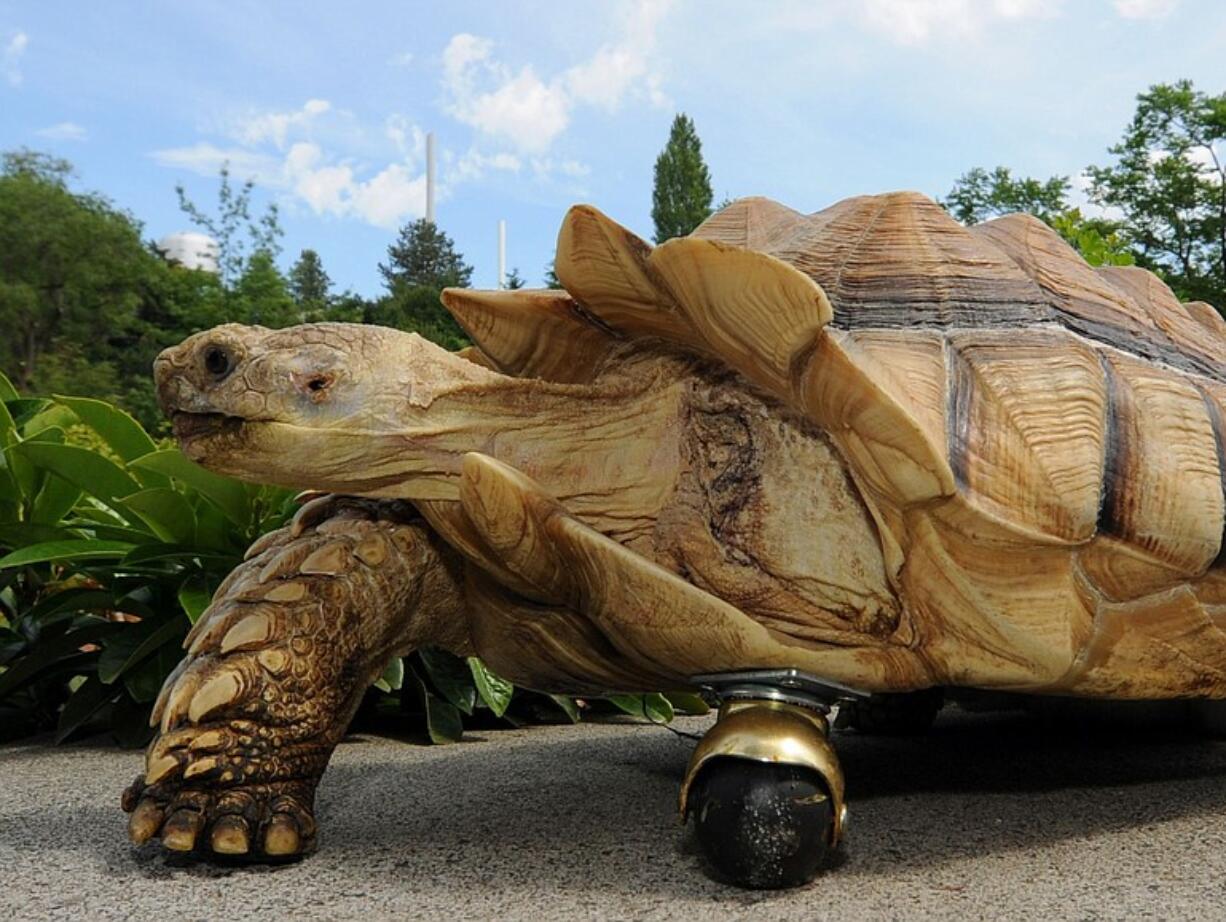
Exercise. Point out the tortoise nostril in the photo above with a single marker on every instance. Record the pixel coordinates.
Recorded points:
(318, 383)
(218, 361)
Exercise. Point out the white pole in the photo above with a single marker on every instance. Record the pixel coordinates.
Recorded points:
(430, 177)
(502, 254)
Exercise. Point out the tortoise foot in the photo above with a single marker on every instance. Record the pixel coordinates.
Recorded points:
(254, 823)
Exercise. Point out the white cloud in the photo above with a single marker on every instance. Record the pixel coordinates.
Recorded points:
(10, 58)
(474, 165)
(304, 172)
(1145, 9)
(64, 131)
(531, 112)
(915, 22)
(206, 159)
(257, 127)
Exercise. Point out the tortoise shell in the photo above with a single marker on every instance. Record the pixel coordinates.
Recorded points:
(1012, 415)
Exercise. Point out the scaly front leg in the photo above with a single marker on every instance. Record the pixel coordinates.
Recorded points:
(276, 668)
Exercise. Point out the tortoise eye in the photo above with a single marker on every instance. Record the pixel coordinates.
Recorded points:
(218, 361)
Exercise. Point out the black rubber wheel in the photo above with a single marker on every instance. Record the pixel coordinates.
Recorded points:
(762, 825)
(904, 714)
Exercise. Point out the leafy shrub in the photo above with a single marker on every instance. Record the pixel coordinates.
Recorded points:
(113, 546)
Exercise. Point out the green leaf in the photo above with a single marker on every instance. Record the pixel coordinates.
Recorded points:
(451, 676)
(167, 513)
(46, 653)
(120, 431)
(443, 720)
(654, 707)
(55, 500)
(494, 691)
(153, 553)
(23, 534)
(84, 703)
(144, 681)
(228, 495)
(76, 598)
(128, 646)
(195, 595)
(688, 703)
(568, 706)
(7, 391)
(63, 551)
(98, 476)
(392, 677)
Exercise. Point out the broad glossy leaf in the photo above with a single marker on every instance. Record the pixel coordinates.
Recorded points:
(128, 646)
(688, 703)
(44, 654)
(120, 431)
(494, 691)
(22, 534)
(654, 707)
(144, 681)
(98, 476)
(63, 551)
(194, 596)
(7, 391)
(227, 494)
(182, 553)
(89, 698)
(167, 513)
(568, 706)
(55, 500)
(392, 677)
(451, 676)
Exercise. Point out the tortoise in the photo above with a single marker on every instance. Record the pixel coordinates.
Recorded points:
(790, 460)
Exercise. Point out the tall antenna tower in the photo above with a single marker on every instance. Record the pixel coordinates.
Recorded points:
(430, 177)
(502, 254)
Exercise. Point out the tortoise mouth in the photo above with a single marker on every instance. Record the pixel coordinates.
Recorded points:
(190, 426)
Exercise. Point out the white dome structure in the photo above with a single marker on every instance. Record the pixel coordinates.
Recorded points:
(191, 250)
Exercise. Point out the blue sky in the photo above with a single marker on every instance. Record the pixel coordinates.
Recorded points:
(537, 105)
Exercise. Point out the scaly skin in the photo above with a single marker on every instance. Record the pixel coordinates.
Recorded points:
(275, 670)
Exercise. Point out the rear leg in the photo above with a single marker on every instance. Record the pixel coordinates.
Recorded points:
(275, 670)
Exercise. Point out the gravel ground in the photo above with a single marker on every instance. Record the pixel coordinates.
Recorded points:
(989, 816)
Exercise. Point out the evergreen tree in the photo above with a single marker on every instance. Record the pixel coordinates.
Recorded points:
(514, 280)
(681, 198)
(551, 276)
(309, 284)
(420, 264)
(262, 295)
(423, 255)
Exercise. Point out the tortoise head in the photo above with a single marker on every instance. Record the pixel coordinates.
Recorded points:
(320, 405)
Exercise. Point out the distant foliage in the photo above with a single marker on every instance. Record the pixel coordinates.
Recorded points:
(979, 195)
(309, 284)
(514, 280)
(681, 197)
(238, 233)
(1169, 182)
(420, 264)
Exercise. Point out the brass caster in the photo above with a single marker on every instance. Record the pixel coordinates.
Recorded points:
(766, 792)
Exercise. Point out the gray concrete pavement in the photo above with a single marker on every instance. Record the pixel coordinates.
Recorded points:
(987, 817)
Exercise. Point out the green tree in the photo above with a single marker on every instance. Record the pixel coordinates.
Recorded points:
(309, 284)
(423, 255)
(978, 195)
(262, 295)
(420, 264)
(681, 196)
(514, 280)
(1169, 182)
(239, 235)
(73, 272)
(551, 275)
